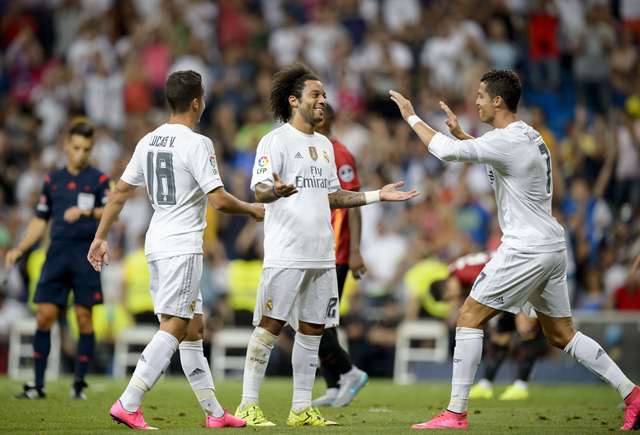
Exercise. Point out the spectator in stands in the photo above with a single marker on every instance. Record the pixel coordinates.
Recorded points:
(627, 297)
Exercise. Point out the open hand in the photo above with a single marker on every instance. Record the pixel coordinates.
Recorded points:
(452, 119)
(405, 106)
(98, 254)
(281, 189)
(390, 192)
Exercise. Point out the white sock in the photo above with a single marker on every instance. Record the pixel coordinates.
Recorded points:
(197, 370)
(152, 363)
(466, 359)
(255, 365)
(304, 359)
(589, 353)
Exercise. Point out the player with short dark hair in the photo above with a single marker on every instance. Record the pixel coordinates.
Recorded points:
(179, 170)
(528, 271)
(294, 174)
(344, 380)
(72, 200)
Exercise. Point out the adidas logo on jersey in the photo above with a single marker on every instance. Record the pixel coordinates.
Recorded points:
(197, 371)
(299, 156)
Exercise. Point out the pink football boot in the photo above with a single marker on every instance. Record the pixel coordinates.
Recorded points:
(445, 420)
(134, 420)
(632, 410)
(227, 420)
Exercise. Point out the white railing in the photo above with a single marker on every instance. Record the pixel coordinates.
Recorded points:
(433, 345)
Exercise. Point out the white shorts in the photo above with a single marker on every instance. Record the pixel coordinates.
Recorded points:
(293, 295)
(517, 282)
(175, 285)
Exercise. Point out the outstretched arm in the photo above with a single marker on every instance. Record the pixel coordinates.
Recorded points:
(422, 129)
(350, 199)
(453, 124)
(267, 193)
(225, 202)
(464, 148)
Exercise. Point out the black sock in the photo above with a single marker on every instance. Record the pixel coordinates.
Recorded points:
(494, 358)
(41, 349)
(333, 358)
(84, 355)
(531, 350)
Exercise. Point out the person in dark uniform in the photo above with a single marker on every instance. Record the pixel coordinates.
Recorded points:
(72, 199)
(343, 379)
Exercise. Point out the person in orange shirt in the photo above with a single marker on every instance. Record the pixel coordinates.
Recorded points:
(343, 379)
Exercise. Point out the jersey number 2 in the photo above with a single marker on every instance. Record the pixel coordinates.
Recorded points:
(545, 152)
(166, 191)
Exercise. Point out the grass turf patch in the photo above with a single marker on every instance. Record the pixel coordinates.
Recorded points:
(380, 408)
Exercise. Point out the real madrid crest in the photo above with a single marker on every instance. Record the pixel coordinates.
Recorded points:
(313, 153)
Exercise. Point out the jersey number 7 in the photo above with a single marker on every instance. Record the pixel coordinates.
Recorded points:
(164, 178)
(545, 152)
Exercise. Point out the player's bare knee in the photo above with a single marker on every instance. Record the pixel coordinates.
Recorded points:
(467, 318)
(274, 326)
(310, 328)
(195, 331)
(45, 317)
(559, 331)
(175, 326)
(85, 320)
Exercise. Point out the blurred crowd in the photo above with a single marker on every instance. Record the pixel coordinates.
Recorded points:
(108, 60)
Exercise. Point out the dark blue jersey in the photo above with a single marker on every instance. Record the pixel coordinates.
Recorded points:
(61, 191)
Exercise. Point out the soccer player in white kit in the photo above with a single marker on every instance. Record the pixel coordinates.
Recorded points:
(529, 268)
(295, 175)
(178, 167)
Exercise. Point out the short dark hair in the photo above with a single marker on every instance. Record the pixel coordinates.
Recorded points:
(182, 88)
(505, 84)
(81, 127)
(288, 81)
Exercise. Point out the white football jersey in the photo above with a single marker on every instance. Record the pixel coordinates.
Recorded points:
(519, 170)
(179, 168)
(297, 229)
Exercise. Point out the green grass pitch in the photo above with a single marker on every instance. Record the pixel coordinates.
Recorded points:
(380, 408)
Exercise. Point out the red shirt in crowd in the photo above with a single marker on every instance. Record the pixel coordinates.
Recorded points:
(348, 176)
(468, 267)
(627, 298)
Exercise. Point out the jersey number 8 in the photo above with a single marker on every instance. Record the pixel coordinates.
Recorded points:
(166, 190)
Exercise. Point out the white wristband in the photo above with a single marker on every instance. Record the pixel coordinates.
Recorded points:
(371, 197)
(413, 120)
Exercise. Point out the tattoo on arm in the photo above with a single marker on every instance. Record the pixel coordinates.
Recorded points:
(346, 199)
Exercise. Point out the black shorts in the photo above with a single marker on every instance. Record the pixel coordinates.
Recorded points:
(67, 268)
(342, 270)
